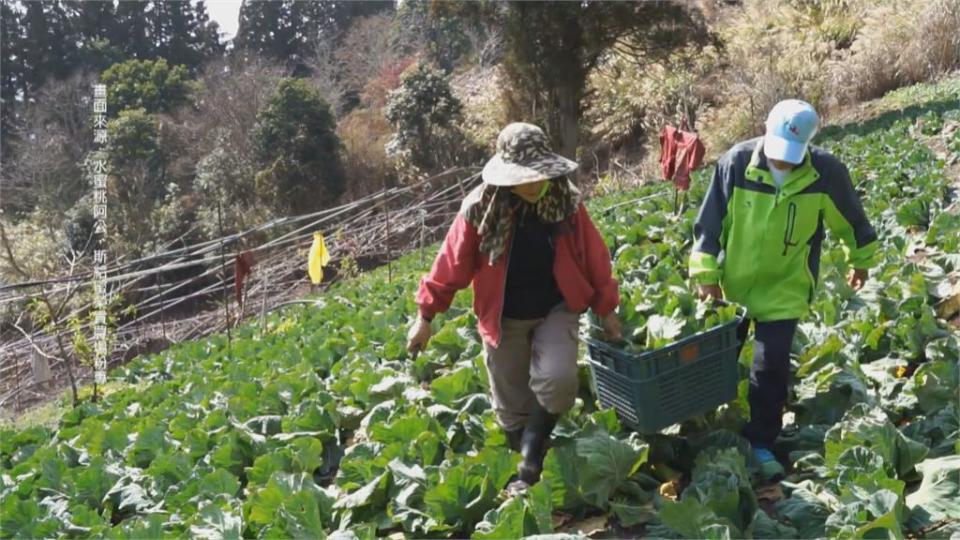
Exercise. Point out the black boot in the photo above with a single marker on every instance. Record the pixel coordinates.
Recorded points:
(533, 445)
(513, 438)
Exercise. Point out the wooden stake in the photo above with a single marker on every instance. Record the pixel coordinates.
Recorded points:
(223, 270)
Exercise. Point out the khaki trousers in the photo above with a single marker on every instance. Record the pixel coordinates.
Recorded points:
(536, 361)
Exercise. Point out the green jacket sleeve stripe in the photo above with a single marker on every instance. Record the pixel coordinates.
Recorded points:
(845, 217)
(708, 229)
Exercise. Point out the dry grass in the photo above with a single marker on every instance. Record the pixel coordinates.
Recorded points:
(831, 53)
(901, 43)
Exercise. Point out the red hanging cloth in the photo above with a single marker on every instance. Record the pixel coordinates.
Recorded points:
(681, 152)
(243, 264)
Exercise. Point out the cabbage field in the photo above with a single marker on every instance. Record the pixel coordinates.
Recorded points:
(319, 425)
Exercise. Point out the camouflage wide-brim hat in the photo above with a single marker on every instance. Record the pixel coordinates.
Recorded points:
(524, 156)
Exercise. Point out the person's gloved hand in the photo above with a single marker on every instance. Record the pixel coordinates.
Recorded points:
(857, 277)
(710, 291)
(418, 336)
(612, 326)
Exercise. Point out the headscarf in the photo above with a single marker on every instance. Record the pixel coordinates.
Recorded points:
(494, 212)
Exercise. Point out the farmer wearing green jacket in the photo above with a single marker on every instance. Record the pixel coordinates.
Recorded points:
(757, 242)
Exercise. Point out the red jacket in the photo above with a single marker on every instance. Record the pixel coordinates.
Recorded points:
(581, 266)
(681, 152)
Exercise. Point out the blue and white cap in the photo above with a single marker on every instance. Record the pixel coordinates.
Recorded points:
(791, 125)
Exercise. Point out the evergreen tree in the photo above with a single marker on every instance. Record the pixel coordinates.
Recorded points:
(131, 31)
(12, 74)
(288, 29)
(552, 46)
(181, 28)
(261, 29)
(207, 34)
(298, 151)
(95, 24)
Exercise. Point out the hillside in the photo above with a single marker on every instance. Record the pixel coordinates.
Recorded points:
(317, 424)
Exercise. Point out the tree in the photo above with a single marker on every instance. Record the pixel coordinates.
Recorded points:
(207, 34)
(262, 29)
(49, 44)
(95, 24)
(441, 36)
(551, 47)
(137, 163)
(152, 85)
(423, 111)
(288, 30)
(365, 52)
(132, 34)
(12, 75)
(92, 21)
(53, 135)
(298, 151)
(189, 38)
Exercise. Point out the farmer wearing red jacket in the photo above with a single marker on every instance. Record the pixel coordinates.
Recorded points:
(536, 261)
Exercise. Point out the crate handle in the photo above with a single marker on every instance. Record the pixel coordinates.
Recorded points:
(689, 353)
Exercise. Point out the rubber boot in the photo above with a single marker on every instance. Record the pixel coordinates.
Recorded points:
(533, 445)
(514, 438)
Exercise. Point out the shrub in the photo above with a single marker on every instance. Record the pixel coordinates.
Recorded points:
(149, 84)
(484, 113)
(298, 151)
(630, 94)
(364, 134)
(423, 112)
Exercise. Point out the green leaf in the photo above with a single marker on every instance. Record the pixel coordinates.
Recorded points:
(310, 415)
(306, 453)
(722, 483)
(449, 341)
(93, 482)
(449, 388)
(464, 492)
(936, 499)
(869, 427)
(151, 441)
(935, 385)
(169, 469)
(128, 496)
(690, 519)
(292, 501)
(806, 512)
(764, 526)
(220, 481)
(301, 515)
(404, 428)
(372, 494)
(527, 514)
(214, 523)
(662, 331)
(630, 514)
(611, 462)
(881, 510)
(562, 468)
(25, 519)
(447, 499)
(264, 466)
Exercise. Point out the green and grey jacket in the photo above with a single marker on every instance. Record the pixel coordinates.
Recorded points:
(762, 243)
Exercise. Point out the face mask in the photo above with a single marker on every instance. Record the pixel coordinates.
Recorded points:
(543, 190)
(538, 196)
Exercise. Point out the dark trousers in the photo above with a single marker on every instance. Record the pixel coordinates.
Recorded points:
(769, 377)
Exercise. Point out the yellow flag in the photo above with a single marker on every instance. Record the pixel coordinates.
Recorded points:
(319, 257)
